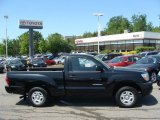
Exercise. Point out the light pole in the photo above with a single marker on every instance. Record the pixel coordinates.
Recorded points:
(6, 17)
(99, 28)
(159, 16)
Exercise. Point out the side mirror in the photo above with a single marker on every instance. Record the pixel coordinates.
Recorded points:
(126, 61)
(99, 68)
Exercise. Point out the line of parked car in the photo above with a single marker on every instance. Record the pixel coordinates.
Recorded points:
(148, 61)
(22, 64)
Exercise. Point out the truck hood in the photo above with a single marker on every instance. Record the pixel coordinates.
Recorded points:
(128, 70)
(141, 66)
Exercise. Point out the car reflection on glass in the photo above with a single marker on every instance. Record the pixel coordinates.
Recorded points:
(15, 65)
(122, 61)
(37, 62)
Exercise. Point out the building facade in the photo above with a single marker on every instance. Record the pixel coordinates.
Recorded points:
(119, 42)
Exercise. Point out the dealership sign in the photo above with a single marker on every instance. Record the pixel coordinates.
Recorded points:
(34, 24)
(78, 41)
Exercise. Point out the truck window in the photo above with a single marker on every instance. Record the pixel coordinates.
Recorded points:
(82, 64)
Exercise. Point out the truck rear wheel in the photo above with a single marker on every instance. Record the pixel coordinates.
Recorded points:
(38, 97)
(126, 97)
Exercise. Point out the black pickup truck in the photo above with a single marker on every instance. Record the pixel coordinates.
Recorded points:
(81, 75)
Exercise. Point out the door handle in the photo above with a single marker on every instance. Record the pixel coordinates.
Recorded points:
(73, 76)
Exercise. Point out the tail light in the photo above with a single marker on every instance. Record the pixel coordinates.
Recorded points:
(7, 81)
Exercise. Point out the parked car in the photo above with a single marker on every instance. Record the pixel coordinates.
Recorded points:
(15, 65)
(24, 61)
(123, 61)
(48, 61)
(59, 60)
(37, 62)
(143, 54)
(107, 57)
(151, 64)
(82, 74)
(2, 68)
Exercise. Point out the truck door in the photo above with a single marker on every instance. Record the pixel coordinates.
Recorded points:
(83, 76)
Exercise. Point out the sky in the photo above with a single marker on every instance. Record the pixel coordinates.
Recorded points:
(71, 17)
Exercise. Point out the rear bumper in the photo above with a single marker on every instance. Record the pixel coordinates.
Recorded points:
(15, 89)
(146, 88)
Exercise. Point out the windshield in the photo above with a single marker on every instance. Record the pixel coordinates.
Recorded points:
(14, 62)
(116, 60)
(99, 56)
(146, 61)
(36, 60)
(143, 54)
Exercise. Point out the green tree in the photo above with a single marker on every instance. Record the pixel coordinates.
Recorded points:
(2, 49)
(89, 34)
(43, 46)
(56, 44)
(156, 29)
(37, 37)
(13, 47)
(149, 27)
(24, 42)
(139, 23)
(117, 25)
(71, 41)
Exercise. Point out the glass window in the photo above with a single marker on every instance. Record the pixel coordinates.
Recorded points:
(146, 61)
(107, 43)
(82, 64)
(130, 59)
(152, 41)
(158, 41)
(129, 41)
(138, 41)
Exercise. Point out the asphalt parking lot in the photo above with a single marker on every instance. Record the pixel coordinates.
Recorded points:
(13, 108)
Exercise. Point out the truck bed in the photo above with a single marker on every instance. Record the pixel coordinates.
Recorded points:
(48, 68)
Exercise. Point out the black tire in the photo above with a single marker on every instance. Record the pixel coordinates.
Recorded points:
(153, 77)
(38, 97)
(158, 83)
(2, 70)
(126, 97)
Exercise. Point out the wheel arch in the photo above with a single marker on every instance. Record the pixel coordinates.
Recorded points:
(129, 84)
(43, 85)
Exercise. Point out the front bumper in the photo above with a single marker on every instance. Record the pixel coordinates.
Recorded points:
(146, 88)
(15, 89)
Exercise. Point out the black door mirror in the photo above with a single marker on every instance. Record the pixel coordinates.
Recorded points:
(99, 68)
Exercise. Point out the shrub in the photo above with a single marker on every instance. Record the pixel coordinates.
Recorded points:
(144, 48)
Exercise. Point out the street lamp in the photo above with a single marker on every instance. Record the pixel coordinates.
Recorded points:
(99, 28)
(6, 17)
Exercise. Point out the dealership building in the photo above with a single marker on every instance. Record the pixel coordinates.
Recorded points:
(119, 42)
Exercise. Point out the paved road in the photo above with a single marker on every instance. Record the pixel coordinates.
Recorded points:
(13, 108)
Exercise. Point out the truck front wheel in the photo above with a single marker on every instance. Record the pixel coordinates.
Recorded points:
(126, 97)
(38, 96)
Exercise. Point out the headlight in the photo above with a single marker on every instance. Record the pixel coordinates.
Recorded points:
(13, 66)
(145, 76)
(158, 73)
